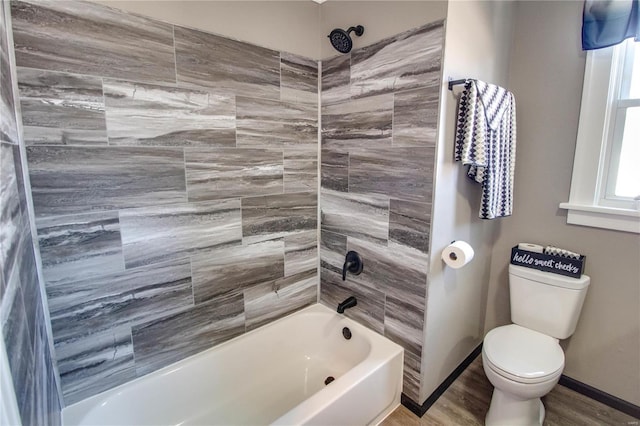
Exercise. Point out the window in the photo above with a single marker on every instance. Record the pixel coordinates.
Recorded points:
(605, 186)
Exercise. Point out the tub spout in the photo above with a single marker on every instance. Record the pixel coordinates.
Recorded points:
(349, 302)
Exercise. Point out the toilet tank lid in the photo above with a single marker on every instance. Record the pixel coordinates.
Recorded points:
(549, 278)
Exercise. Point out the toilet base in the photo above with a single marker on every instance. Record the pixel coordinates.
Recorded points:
(505, 410)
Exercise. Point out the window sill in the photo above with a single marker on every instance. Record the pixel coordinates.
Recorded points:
(603, 217)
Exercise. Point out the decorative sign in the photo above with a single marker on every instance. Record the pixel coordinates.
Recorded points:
(548, 263)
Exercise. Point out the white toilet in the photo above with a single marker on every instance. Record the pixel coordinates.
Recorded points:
(523, 360)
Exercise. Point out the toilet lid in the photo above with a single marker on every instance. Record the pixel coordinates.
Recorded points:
(523, 353)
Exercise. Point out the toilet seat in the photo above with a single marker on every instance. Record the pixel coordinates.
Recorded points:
(523, 355)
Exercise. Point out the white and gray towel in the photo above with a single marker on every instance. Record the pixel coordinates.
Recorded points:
(556, 251)
(486, 142)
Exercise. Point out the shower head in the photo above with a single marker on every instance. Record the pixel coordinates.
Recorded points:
(341, 40)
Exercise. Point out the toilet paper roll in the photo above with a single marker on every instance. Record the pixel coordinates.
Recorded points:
(457, 254)
(536, 248)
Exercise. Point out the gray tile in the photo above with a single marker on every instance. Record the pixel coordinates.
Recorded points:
(79, 246)
(233, 172)
(106, 42)
(95, 362)
(66, 180)
(404, 323)
(153, 234)
(8, 123)
(46, 398)
(335, 170)
(230, 269)
(268, 123)
(144, 114)
(209, 60)
(406, 61)
(298, 79)
(12, 221)
(356, 215)
(415, 117)
(398, 271)
(300, 252)
(124, 298)
(333, 249)
(61, 108)
(370, 309)
(411, 375)
(336, 79)
(401, 173)
(364, 123)
(300, 169)
(409, 223)
(276, 216)
(269, 301)
(175, 337)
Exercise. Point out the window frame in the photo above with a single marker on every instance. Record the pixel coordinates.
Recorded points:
(587, 203)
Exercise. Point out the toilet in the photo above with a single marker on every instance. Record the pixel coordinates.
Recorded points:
(524, 360)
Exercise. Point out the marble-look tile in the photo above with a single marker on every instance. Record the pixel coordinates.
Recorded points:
(298, 79)
(95, 362)
(124, 298)
(404, 323)
(401, 173)
(46, 397)
(357, 215)
(370, 308)
(277, 216)
(300, 252)
(12, 220)
(333, 249)
(175, 337)
(269, 123)
(363, 123)
(300, 169)
(61, 108)
(106, 42)
(144, 114)
(231, 269)
(8, 122)
(398, 271)
(208, 60)
(66, 179)
(411, 375)
(232, 172)
(79, 246)
(334, 168)
(406, 61)
(336, 78)
(269, 301)
(153, 234)
(409, 223)
(415, 117)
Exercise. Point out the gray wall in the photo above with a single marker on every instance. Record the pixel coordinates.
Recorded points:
(174, 178)
(379, 124)
(546, 76)
(23, 314)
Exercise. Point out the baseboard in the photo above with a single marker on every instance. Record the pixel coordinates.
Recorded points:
(600, 396)
(418, 409)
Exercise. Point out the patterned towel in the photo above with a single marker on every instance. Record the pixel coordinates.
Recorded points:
(486, 142)
(556, 251)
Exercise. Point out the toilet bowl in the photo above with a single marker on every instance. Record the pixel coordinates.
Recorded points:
(524, 360)
(522, 365)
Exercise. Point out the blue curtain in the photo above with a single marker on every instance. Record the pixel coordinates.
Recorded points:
(609, 22)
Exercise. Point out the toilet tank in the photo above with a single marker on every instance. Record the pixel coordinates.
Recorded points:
(546, 302)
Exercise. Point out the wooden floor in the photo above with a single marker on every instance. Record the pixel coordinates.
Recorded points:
(467, 400)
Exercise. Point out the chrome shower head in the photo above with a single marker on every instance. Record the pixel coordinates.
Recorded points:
(341, 40)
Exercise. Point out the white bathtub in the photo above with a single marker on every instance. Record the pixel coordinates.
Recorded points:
(272, 375)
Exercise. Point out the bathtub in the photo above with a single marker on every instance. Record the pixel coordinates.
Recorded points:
(272, 375)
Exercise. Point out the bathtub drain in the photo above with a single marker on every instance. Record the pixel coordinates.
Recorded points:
(329, 380)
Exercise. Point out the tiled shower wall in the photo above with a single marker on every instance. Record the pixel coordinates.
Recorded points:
(379, 123)
(22, 311)
(174, 177)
